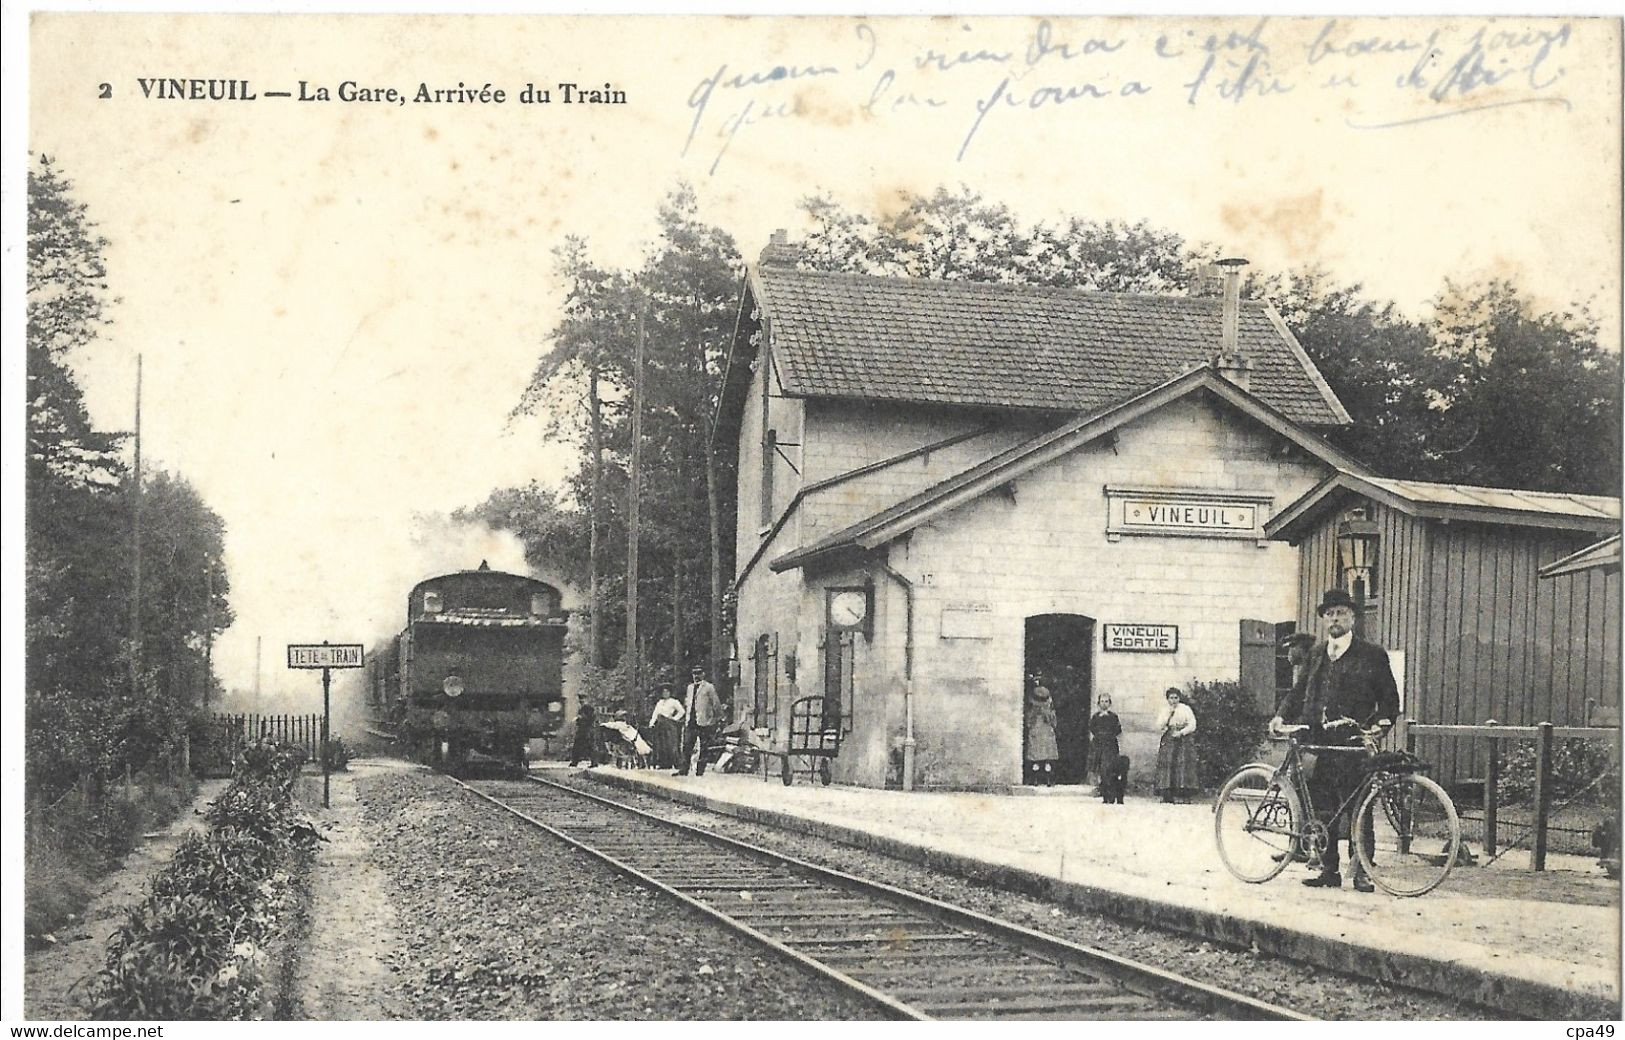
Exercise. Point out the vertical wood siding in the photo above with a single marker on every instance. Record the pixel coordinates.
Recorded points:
(1483, 636)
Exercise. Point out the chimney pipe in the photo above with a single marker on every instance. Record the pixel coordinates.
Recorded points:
(1231, 363)
(1228, 333)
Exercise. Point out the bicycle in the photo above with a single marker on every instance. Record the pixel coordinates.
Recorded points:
(1264, 818)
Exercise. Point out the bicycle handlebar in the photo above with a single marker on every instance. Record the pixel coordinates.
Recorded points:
(1368, 737)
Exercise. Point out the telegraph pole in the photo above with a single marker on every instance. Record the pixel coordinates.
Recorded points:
(208, 632)
(135, 525)
(635, 700)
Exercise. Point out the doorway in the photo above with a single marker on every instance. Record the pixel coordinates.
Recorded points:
(1061, 648)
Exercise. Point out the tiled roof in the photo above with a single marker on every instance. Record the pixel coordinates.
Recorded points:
(975, 343)
(903, 516)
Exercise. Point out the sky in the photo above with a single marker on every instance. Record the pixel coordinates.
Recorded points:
(338, 302)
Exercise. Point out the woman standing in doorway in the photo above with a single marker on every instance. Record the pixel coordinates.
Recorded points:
(1104, 729)
(1176, 753)
(1042, 749)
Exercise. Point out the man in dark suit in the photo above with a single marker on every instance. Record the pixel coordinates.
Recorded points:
(1347, 686)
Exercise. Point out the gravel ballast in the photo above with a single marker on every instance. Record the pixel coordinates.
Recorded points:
(1306, 989)
(500, 921)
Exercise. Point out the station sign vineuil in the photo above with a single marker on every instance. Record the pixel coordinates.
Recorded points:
(1149, 639)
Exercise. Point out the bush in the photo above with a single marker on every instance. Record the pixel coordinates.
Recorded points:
(338, 756)
(1576, 767)
(1229, 728)
(195, 949)
(79, 843)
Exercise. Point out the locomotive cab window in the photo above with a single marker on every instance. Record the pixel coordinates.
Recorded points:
(431, 602)
(538, 605)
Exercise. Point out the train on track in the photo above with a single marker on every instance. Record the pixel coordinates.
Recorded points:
(477, 672)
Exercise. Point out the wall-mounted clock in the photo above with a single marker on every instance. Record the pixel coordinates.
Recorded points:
(851, 609)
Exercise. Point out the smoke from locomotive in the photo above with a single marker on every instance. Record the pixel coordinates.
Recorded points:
(478, 667)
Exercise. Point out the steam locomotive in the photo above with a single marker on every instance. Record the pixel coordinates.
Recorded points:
(478, 669)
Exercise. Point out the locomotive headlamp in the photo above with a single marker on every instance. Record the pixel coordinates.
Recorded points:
(453, 686)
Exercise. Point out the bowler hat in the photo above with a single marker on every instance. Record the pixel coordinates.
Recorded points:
(1335, 598)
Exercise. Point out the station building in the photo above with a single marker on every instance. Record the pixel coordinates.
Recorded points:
(944, 487)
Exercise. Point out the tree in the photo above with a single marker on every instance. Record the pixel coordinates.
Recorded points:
(89, 709)
(691, 280)
(187, 590)
(67, 301)
(960, 235)
(687, 289)
(1375, 359)
(580, 366)
(1524, 399)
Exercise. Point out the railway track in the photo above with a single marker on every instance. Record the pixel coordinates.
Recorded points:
(912, 956)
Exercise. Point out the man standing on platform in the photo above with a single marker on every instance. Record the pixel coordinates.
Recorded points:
(704, 711)
(1346, 687)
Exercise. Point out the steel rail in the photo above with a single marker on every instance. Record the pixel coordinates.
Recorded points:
(892, 1007)
(1128, 982)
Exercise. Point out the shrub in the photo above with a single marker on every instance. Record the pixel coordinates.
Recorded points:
(1229, 728)
(1576, 767)
(338, 756)
(77, 843)
(194, 950)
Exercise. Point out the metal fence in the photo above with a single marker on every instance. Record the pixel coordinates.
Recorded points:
(1536, 816)
(224, 736)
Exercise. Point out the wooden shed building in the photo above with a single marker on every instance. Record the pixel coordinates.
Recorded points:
(1450, 577)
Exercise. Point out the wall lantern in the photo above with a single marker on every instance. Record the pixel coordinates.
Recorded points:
(1357, 544)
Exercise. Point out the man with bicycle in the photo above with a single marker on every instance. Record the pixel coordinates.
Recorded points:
(1347, 687)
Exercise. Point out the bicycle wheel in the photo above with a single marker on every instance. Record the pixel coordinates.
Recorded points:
(1412, 834)
(1256, 823)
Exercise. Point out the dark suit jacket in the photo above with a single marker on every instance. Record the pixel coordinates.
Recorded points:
(1366, 694)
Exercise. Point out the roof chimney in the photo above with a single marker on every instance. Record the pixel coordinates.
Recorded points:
(1231, 363)
(1206, 280)
(780, 251)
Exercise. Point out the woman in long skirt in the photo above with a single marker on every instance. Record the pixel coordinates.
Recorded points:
(1042, 748)
(1176, 753)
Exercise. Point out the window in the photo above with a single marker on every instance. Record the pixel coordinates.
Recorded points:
(770, 448)
(431, 602)
(762, 669)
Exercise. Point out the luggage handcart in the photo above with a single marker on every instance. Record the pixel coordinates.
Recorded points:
(814, 740)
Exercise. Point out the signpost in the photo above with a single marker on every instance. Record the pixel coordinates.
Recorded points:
(326, 656)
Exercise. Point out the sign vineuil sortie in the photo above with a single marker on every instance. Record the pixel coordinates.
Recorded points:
(1152, 639)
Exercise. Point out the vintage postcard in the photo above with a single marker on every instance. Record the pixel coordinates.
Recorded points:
(807, 518)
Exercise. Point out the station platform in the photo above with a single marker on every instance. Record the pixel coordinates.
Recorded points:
(1544, 945)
